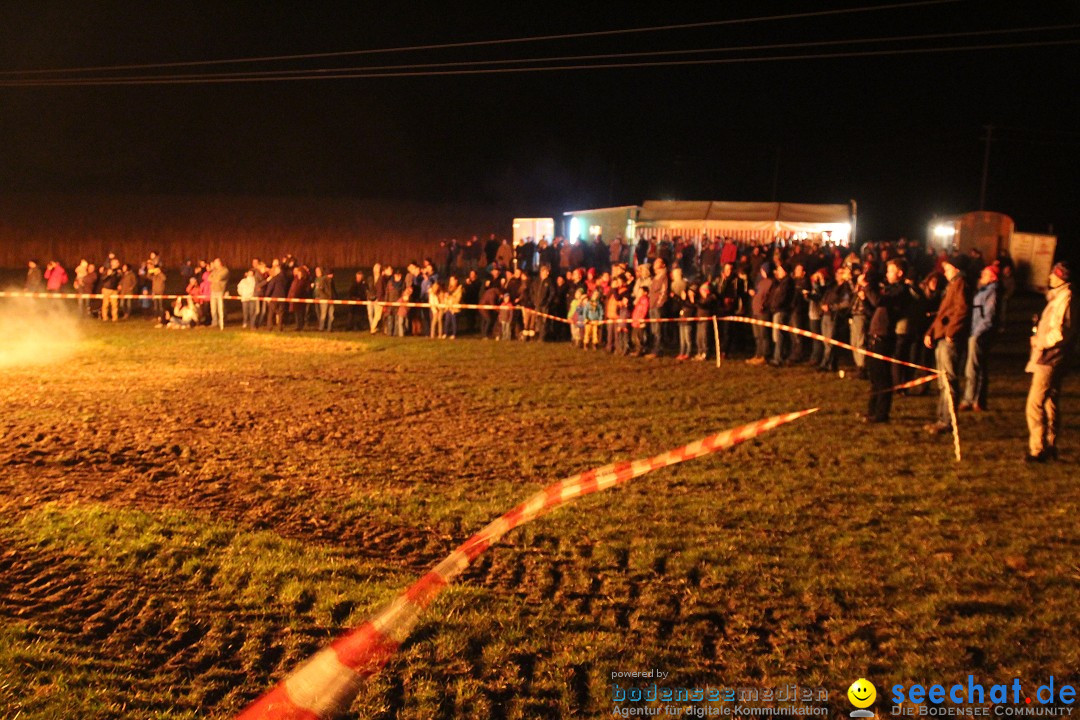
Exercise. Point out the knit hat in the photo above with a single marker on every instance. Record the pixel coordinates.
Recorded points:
(1061, 269)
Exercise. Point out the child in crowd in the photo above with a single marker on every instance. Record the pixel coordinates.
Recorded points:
(641, 311)
(622, 328)
(594, 314)
(506, 318)
(686, 302)
(576, 317)
(402, 313)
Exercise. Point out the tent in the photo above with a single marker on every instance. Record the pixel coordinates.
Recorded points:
(744, 220)
(760, 221)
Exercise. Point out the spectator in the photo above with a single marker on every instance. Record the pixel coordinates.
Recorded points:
(35, 281)
(451, 305)
(219, 278)
(944, 336)
(277, 290)
(128, 282)
(110, 284)
(506, 318)
(324, 295)
(594, 315)
(246, 290)
(659, 293)
(760, 308)
(55, 277)
(706, 308)
(157, 289)
(1051, 347)
(298, 292)
(435, 304)
(780, 304)
(984, 318)
(358, 293)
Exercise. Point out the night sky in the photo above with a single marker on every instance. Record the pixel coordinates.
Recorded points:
(899, 134)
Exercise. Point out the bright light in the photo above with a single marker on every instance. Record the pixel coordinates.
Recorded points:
(944, 231)
(575, 230)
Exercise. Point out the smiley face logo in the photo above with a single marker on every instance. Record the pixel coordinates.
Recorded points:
(862, 693)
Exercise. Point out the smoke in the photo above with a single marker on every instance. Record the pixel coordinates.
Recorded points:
(37, 331)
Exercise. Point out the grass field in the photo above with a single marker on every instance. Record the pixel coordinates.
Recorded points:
(187, 515)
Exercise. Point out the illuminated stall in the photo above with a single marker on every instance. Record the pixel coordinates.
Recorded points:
(749, 221)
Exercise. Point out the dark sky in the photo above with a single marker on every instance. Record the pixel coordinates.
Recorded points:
(899, 134)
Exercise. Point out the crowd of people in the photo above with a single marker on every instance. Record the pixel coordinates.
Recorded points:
(895, 299)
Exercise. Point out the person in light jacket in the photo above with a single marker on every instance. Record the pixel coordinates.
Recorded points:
(1051, 346)
(984, 320)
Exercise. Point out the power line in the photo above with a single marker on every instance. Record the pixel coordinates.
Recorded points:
(165, 80)
(481, 43)
(330, 72)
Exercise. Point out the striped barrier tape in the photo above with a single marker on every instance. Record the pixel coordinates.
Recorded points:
(326, 684)
(822, 338)
(384, 304)
(905, 386)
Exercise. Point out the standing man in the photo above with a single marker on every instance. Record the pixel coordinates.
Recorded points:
(110, 284)
(944, 336)
(780, 303)
(35, 280)
(983, 329)
(1050, 348)
(887, 304)
(659, 292)
(219, 278)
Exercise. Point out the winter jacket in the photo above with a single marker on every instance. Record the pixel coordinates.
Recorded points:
(761, 296)
(55, 278)
(277, 286)
(782, 296)
(1056, 331)
(324, 288)
(246, 288)
(659, 290)
(35, 281)
(641, 310)
(952, 316)
(984, 309)
(219, 278)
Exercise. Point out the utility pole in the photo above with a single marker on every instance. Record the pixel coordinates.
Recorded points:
(986, 166)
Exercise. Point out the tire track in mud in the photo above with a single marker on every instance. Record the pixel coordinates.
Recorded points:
(241, 457)
(118, 630)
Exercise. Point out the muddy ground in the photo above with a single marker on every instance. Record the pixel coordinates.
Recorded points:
(187, 515)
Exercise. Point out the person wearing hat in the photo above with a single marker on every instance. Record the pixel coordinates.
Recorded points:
(984, 322)
(1050, 348)
(944, 337)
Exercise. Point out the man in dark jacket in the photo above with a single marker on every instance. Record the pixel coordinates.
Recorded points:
(542, 291)
(947, 331)
(358, 292)
(35, 279)
(781, 302)
(760, 307)
(659, 292)
(887, 303)
(835, 310)
(277, 289)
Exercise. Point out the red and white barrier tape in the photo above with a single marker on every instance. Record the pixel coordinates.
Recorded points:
(326, 684)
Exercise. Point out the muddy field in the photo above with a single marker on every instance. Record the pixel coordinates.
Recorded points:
(187, 515)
